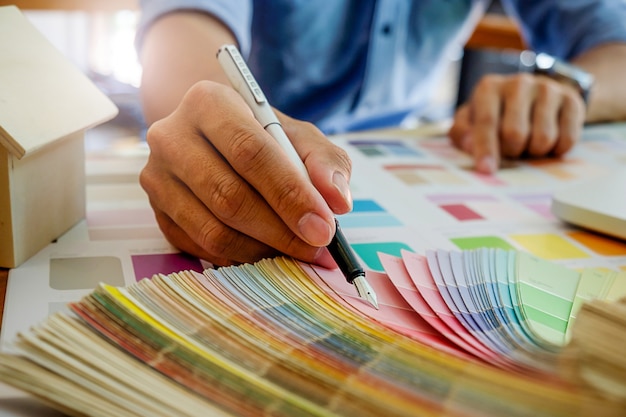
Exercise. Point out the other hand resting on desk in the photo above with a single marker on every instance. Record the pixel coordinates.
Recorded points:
(532, 115)
(518, 115)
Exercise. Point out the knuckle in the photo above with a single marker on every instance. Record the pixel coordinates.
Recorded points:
(296, 127)
(540, 148)
(568, 137)
(201, 91)
(201, 99)
(543, 137)
(565, 143)
(155, 134)
(151, 180)
(291, 244)
(513, 143)
(245, 148)
(547, 87)
(228, 197)
(523, 79)
(213, 237)
(520, 82)
(486, 118)
(514, 134)
(542, 142)
(342, 157)
(572, 99)
(490, 81)
(163, 138)
(573, 96)
(169, 230)
(512, 150)
(287, 194)
(146, 180)
(309, 127)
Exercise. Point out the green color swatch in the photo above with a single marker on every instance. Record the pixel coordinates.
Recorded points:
(476, 242)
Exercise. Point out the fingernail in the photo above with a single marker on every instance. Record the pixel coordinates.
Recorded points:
(315, 230)
(342, 185)
(487, 165)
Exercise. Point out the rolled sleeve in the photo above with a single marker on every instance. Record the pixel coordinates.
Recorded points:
(235, 14)
(566, 28)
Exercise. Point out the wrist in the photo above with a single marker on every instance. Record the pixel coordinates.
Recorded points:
(559, 70)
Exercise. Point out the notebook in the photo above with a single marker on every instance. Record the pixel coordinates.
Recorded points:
(598, 204)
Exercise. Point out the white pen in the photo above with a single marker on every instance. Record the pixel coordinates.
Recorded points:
(243, 81)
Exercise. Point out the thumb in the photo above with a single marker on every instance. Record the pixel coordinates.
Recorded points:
(328, 165)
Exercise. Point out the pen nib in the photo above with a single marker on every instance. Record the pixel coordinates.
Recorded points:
(365, 290)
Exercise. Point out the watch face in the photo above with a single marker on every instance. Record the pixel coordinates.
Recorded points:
(544, 62)
(564, 72)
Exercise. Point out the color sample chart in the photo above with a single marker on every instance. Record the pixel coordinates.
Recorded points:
(412, 194)
(421, 174)
(430, 187)
(368, 214)
(385, 148)
(539, 203)
(566, 246)
(468, 207)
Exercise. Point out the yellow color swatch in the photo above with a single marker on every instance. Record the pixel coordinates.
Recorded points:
(549, 246)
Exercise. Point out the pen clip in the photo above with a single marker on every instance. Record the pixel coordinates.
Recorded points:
(246, 75)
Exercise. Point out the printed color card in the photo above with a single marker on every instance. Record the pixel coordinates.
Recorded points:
(367, 213)
(368, 252)
(378, 148)
(146, 266)
(422, 174)
(85, 273)
(467, 207)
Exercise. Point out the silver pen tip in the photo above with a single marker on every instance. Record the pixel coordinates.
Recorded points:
(365, 290)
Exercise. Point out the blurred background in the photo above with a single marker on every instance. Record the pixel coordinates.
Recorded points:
(98, 36)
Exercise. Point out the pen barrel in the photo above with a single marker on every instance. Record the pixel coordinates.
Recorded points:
(344, 256)
(277, 132)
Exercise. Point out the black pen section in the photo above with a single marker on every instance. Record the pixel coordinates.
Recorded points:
(344, 256)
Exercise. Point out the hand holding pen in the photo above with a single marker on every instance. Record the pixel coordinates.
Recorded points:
(220, 187)
(244, 82)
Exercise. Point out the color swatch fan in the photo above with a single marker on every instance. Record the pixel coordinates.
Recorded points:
(458, 334)
(505, 307)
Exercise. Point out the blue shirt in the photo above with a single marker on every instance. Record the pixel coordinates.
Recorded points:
(344, 64)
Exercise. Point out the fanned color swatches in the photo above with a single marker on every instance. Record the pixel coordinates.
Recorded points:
(282, 338)
(507, 307)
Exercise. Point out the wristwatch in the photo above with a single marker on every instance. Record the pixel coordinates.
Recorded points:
(559, 70)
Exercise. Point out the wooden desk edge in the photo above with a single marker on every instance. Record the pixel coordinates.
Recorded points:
(496, 31)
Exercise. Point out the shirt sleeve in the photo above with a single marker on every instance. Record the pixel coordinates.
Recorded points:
(235, 14)
(566, 28)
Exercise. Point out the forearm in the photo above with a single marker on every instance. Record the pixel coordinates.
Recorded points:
(179, 50)
(607, 101)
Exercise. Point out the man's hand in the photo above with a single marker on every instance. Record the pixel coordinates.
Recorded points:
(222, 188)
(515, 116)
